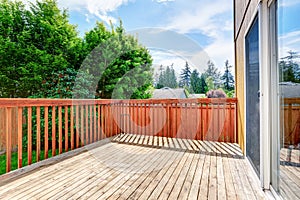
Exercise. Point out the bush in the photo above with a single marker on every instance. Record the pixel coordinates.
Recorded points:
(216, 94)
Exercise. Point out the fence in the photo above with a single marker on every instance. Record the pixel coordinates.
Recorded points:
(46, 127)
(290, 133)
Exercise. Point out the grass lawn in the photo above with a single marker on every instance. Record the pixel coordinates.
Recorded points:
(14, 160)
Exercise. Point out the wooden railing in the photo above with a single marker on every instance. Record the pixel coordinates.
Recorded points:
(54, 126)
(291, 121)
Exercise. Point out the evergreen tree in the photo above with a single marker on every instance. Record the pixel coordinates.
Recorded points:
(227, 78)
(120, 63)
(289, 68)
(214, 73)
(41, 53)
(195, 82)
(185, 76)
(167, 78)
(34, 43)
(203, 85)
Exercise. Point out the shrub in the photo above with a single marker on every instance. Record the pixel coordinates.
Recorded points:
(216, 94)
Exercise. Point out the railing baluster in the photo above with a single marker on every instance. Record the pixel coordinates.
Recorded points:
(20, 136)
(8, 139)
(95, 123)
(77, 126)
(87, 124)
(59, 130)
(53, 131)
(91, 124)
(99, 122)
(72, 126)
(46, 132)
(29, 133)
(66, 129)
(38, 133)
(83, 141)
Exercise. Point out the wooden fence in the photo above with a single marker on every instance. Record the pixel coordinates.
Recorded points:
(290, 133)
(60, 125)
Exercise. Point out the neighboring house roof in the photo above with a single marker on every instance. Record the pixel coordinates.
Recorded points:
(169, 93)
(193, 96)
(290, 89)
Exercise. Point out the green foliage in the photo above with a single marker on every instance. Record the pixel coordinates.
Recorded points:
(14, 159)
(33, 44)
(198, 84)
(227, 78)
(120, 63)
(210, 83)
(289, 68)
(167, 78)
(61, 85)
(185, 76)
(41, 55)
(215, 75)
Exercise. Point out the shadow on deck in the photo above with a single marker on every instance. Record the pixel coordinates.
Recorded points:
(174, 169)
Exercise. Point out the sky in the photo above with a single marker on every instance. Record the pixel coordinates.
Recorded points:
(175, 31)
(288, 27)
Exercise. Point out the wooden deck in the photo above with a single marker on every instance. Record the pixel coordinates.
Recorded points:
(290, 173)
(175, 169)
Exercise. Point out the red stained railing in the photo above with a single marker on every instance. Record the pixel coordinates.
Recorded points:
(61, 125)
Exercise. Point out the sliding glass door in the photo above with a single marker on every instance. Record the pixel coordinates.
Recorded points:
(252, 96)
(285, 31)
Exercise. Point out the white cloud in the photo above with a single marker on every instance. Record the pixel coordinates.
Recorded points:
(99, 8)
(211, 18)
(289, 42)
(288, 3)
(163, 1)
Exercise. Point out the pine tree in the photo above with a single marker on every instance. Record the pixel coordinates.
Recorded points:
(227, 78)
(185, 76)
(289, 68)
(195, 82)
(167, 78)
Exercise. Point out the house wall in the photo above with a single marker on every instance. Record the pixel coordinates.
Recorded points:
(244, 12)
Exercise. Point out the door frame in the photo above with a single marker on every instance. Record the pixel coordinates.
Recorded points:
(262, 13)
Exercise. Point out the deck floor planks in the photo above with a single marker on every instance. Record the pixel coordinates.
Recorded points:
(236, 179)
(85, 175)
(132, 183)
(119, 180)
(176, 144)
(213, 187)
(49, 178)
(171, 144)
(185, 190)
(45, 172)
(203, 191)
(136, 192)
(244, 180)
(193, 194)
(229, 185)
(155, 181)
(180, 180)
(217, 172)
(220, 179)
(163, 177)
(253, 180)
(100, 180)
(171, 183)
(166, 143)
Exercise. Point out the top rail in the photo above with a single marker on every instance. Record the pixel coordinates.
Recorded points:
(24, 102)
